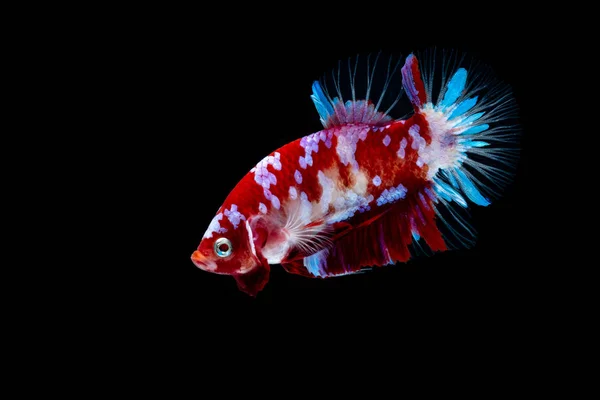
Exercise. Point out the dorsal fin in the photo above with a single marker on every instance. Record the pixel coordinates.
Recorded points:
(370, 108)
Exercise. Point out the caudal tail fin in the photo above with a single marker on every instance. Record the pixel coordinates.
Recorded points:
(471, 117)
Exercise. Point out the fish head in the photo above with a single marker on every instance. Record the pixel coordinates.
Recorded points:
(228, 248)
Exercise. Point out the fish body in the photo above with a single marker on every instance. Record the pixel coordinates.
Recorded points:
(360, 191)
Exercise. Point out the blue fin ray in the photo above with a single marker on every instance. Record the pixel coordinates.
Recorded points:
(449, 193)
(339, 101)
(474, 105)
(470, 189)
(321, 102)
(470, 119)
(463, 107)
(475, 129)
(474, 143)
(454, 88)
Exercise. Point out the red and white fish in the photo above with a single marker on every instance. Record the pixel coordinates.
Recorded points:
(360, 191)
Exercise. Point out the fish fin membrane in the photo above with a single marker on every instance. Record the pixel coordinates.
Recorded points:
(381, 241)
(297, 267)
(472, 114)
(253, 281)
(363, 90)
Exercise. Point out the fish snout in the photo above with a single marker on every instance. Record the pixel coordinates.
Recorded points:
(203, 262)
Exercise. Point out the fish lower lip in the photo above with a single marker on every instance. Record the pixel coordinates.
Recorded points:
(197, 258)
(202, 262)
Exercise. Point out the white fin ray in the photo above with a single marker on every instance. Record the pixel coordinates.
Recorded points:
(300, 229)
(343, 99)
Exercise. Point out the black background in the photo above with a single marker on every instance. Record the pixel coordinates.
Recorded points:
(174, 105)
(210, 103)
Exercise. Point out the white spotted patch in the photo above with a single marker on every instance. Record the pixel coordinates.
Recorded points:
(328, 187)
(442, 152)
(349, 203)
(309, 160)
(293, 193)
(262, 208)
(305, 208)
(360, 184)
(347, 141)
(302, 162)
(234, 216)
(310, 144)
(262, 175)
(401, 151)
(338, 203)
(271, 197)
(298, 177)
(420, 162)
(275, 202)
(392, 195)
(386, 140)
(418, 143)
(353, 200)
(328, 141)
(214, 226)
(377, 180)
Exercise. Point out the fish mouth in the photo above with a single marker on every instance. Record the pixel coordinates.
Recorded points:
(203, 262)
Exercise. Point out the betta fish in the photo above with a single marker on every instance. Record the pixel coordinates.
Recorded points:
(368, 188)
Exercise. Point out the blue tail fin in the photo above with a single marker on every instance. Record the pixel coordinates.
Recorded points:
(472, 121)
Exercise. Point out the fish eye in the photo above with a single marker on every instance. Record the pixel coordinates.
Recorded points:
(223, 247)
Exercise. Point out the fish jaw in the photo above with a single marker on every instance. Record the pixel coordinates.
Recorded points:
(203, 262)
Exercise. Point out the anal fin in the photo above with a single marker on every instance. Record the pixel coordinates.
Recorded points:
(376, 241)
